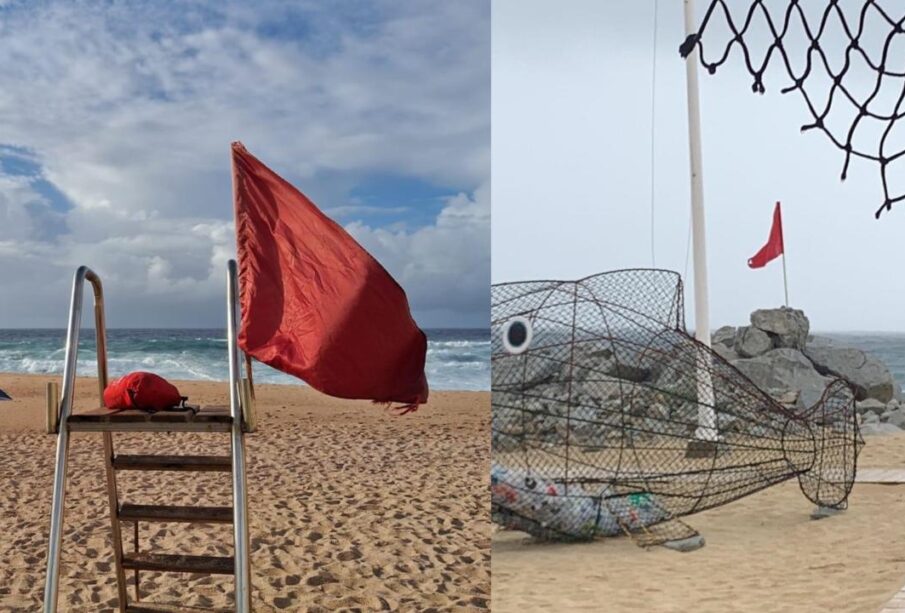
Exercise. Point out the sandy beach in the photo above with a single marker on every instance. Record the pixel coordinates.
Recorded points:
(763, 554)
(351, 507)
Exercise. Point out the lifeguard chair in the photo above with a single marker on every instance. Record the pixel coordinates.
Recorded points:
(235, 420)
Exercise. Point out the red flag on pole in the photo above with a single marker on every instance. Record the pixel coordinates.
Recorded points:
(774, 247)
(314, 303)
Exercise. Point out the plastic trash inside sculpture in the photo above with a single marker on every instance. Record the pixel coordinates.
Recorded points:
(603, 403)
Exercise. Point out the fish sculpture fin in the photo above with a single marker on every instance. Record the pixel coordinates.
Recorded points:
(670, 531)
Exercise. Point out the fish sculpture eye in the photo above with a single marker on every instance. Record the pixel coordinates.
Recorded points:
(517, 335)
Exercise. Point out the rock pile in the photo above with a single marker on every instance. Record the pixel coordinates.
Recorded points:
(780, 356)
(604, 393)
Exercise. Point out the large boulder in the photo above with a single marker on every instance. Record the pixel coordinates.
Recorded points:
(785, 369)
(869, 375)
(877, 429)
(787, 327)
(723, 336)
(896, 418)
(870, 405)
(751, 342)
(727, 353)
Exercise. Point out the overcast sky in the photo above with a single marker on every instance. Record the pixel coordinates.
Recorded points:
(571, 131)
(116, 120)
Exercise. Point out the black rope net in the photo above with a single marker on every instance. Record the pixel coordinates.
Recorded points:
(609, 418)
(845, 58)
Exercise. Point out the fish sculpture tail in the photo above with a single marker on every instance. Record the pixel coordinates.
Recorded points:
(836, 442)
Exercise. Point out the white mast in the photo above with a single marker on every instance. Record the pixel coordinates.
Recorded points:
(706, 416)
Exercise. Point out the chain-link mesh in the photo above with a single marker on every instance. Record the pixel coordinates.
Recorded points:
(598, 390)
(844, 58)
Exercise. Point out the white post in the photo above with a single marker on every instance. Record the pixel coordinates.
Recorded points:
(706, 415)
(785, 280)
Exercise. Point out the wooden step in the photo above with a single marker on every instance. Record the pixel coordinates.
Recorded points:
(206, 565)
(185, 463)
(208, 419)
(154, 608)
(164, 608)
(169, 608)
(166, 513)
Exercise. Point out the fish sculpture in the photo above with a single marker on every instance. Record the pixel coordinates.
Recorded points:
(610, 418)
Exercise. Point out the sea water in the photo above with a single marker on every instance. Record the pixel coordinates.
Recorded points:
(888, 347)
(457, 359)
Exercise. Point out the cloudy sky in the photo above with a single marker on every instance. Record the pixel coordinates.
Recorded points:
(116, 119)
(571, 131)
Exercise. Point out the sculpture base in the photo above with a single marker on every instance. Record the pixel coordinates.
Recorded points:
(698, 448)
(691, 543)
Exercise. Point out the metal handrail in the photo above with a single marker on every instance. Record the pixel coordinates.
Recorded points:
(240, 499)
(66, 397)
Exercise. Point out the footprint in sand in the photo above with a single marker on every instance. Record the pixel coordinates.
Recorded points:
(347, 556)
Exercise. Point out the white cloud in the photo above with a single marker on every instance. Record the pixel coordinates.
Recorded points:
(129, 110)
(446, 266)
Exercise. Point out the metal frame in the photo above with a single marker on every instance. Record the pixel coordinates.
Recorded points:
(242, 571)
(66, 397)
(590, 423)
(237, 440)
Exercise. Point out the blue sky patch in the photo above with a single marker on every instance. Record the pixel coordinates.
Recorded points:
(388, 199)
(21, 162)
(49, 208)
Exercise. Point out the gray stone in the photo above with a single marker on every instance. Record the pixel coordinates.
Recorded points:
(727, 353)
(751, 342)
(594, 350)
(870, 418)
(869, 375)
(598, 391)
(896, 418)
(878, 429)
(630, 372)
(788, 398)
(723, 336)
(528, 370)
(788, 327)
(785, 369)
(871, 405)
(503, 444)
(692, 543)
(892, 405)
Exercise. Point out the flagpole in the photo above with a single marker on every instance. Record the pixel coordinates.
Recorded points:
(782, 239)
(785, 279)
(706, 431)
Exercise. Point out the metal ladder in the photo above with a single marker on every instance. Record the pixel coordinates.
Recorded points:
(235, 420)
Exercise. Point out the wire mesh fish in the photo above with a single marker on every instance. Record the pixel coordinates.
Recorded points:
(609, 418)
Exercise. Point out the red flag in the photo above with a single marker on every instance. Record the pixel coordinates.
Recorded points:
(314, 303)
(774, 247)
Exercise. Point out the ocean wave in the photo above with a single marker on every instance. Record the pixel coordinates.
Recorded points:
(453, 362)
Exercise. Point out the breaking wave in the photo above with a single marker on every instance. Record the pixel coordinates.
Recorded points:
(456, 359)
